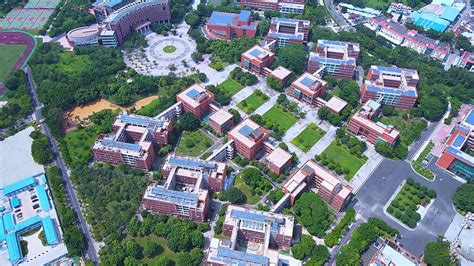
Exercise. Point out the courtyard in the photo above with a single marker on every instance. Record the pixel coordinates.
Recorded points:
(193, 143)
(344, 158)
(308, 137)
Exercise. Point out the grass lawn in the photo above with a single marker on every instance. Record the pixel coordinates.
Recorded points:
(164, 251)
(9, 54)
(230, 87)
(308, 137)
(382, 4)
(253, 102)
(410, 128)
(193, 143)
(72, 63)
(279, 117)
(240, 184)
(79, 144)
(344, 158)
(169, 49)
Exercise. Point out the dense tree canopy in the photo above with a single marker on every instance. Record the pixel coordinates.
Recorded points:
(304, 249)
(437, 253)
(40, 149)
(463, 199)
(74, 13)
(19, 102)
(313, 213)
(291, 57)
(233, 195)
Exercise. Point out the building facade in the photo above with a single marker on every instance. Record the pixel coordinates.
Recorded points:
(467, 61)
(361, 124)
(221, 121)
(249, 138)
(339, 59)
(307, 88)
(283, 6)
(288, 31)
(228, 26)
(278, 160)
(257, 60)
(391, 86)
(196, 99)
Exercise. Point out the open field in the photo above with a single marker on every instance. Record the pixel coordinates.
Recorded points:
(308, 137)
(230, 87)
(9, 55)
(164, 251)
(253, 102)
(344, 158)
(79, 144)
(193, 143)
(240, 184)
(280, 118)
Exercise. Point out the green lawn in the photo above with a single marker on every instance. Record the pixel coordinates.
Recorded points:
(9, 54)
(79, 144)
(253, 102)
(164, 251)
(230, 87)
(308, 137)
(279, 117)
(240, 184)
(193, 143)
(73, 63)
(169, 49)
(344, 158)
(382, 4)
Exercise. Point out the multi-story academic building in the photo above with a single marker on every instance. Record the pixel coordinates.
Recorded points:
(307, 88)
(257, 60)
(221, 121)
(228, 26)
(288, 31)
(196, 99)
(339, 59)
(249, 138)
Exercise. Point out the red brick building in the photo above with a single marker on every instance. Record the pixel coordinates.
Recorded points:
(133, 141)
(228, 26)
(249, 138)
(282, 75)
(307, 88)
(339, 59)
(196, 99)
(335, 192)
(288, 31)
(391, 86)
(277, 160)
(361, 124)
(257, 60)
(221, 121)
(283, 6)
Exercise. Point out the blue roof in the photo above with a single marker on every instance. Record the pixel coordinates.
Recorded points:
(2, 230)
(458, 141)
(470, 118)
(190, 163)
(15, 202)
(136, 120)
(429, 21)
(324, 60)
(248, 216)
(12, 188)
(246, 130)
(221, 18)
(192, 93)
(290, 20)
(121, 145)
(43, 198)
(177, 197)
(298, 36)
(461, 155)
(49, 230)
(255, 52)
(450, 13)
(308, 82)
(244, 15)
(8, 221)
(374, 105)
(333, 43)
(240, 256)
(13, 247)
(391, 90)
(27, 224)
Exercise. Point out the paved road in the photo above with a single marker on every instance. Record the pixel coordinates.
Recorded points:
(381, 185)
(73, 198)
(344, 240)
(337, 16)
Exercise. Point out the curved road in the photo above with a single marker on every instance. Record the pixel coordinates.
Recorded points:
(73, 198)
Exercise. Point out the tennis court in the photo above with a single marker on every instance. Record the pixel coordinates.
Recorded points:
(25, 19)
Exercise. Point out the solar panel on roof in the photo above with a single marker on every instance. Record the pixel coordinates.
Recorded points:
(244, 15)
(192, 93)
(248, 215)
(121, 145)
(307, 81)
(242, 256)
(245, 130)
(175, 194)
(255, 52)
(190, 163)
(135, 120)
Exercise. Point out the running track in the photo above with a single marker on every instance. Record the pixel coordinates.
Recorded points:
(19, 38)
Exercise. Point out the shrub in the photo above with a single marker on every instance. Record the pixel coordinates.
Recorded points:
(431, 193)
(410, 181)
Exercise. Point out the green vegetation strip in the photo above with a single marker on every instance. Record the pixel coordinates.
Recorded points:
(344, 158)
(279, 117)
(417, 164)
(230, 87)
(193, 143)
(338, 232)
(308, 137)
(253, 102)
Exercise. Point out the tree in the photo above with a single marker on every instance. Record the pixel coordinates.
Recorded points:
(41, 151)
(196, 56)
(150, 249)
(234, 195)
(304, 249)
(132, 249)
(74, 240)
(313, 213)
(437, 253)
(192, 19)
(274, 83)
(320, 256)
(275, 195)
(236, 115)
(292, 56)
(463, 199)
(190, 259)
(188, 121)
(197, 239)
(349, 91)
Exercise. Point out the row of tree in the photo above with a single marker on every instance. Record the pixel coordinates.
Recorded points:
(19, 102)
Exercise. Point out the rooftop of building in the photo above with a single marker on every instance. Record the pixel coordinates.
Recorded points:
(468, 57)
(279, 223)
(86, 31)
(220, 252)
(118, 14)
(309, 83)
(257, 53)
(281, 73)
(380, 80)
(338, 44)
(108, 3)
(111, 143)
(330, 182)
(429, 21)
(202, 167)
(153, 124)
(336, 104)
(332, 61)
(248, 132)
(277, 20)
(363, 116)
(225, 19)
(194, 95)
(278, 157)
(24, 206)
(221, 116)
(390, 253)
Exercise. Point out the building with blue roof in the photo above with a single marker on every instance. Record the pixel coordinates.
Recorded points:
(258, 59)
(391, 86)
(103, 8)
(228, 26)
(436, 16)
(307, 88)
(27, 206)
(288, 31)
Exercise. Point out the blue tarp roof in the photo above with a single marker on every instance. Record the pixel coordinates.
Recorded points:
(221, 18)
(240, 256)
(246, 130)
(8, 221)
(13, 247)
(15, 202)
(244, 15)
(49, 230)
(12, 188)
(43, 198)
(248, 216)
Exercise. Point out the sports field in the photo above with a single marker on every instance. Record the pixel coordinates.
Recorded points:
(9, 55)
(42, 4)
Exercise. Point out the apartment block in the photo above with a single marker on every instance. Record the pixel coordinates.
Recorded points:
(249, 138)
(457, 156)
(307, 88)
(361, 124)
(257, 60)
(467, 61)
(221, 121)
(196, 99)
(338, 58)
(228, 26)
(277, 160)
(391, 86)
(288, 31)
(334, 191)
(132, 143)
